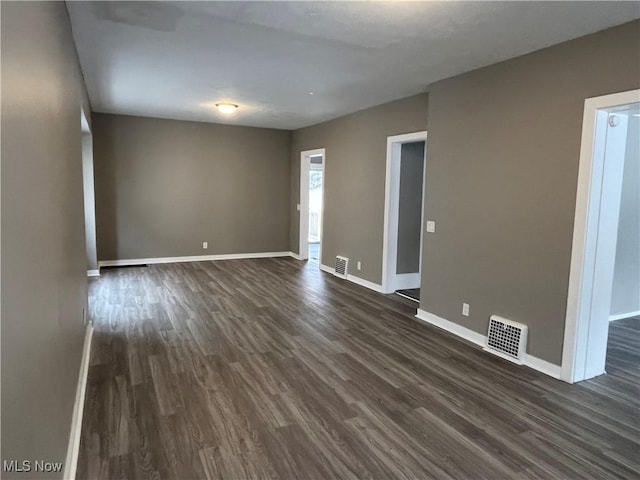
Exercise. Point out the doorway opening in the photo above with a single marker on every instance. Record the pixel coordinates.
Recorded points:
(315, 207)
(403, 214)
(88, 191)
(312, 164)
(602, 330)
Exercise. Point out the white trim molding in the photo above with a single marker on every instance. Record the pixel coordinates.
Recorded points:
(586, 228)
(481, 340)
(459, 330)
(303, 210)
(390, 280)
(195, 258)
(543, 366)
(352, 278)
(327, 269)
(93, 273)
(365, 283)
(71, 461)
(622, 316)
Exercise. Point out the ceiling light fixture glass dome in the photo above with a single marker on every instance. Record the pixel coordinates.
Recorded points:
(226, 108)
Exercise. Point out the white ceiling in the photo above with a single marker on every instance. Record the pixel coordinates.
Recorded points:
(177, 59)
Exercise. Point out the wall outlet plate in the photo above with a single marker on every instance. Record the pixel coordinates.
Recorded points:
(205, 245)
(465, 309)
(431, 226)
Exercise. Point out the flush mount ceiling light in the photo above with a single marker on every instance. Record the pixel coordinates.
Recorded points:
(226, 108)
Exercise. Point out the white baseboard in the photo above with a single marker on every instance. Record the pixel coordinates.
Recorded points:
(93, 273)
(543, 366)
(481, 340)
(194, 258)
(622, 316)
(352, 278)
(295, 255)
(454, 328)
(365, 283)
(497, 353)
(330, 270)
(73, 449)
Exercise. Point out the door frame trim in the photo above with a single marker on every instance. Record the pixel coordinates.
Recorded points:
(580, 295)
(391, 195)
(303, 206)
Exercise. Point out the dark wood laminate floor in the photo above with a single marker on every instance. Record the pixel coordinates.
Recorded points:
(271, 369)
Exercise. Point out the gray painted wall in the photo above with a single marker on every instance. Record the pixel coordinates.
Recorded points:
(354, 179)
(504, 145)
(410, 207)
(165, 186)
(625, 296)
(43, 242)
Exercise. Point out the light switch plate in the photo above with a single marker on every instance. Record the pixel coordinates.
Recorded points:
(431, 226)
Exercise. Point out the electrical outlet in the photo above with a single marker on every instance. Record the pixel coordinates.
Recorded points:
(359, 266)
(298, 206)
(465, 309)
(431, 226)
(205, 245)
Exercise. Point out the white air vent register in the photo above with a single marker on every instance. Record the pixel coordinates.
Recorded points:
(507, 339)
(342, 264)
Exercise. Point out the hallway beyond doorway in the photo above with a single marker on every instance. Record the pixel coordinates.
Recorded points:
(314, 252)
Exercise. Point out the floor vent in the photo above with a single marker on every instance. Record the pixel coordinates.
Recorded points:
(507, 339)
(342, 264)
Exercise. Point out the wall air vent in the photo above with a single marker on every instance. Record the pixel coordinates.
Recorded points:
(342, 263)
(507, 339)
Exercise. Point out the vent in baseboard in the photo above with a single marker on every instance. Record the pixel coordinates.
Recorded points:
(507, 339)
(342, 264)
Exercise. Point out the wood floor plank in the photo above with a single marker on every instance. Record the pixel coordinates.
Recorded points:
(270, 369)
